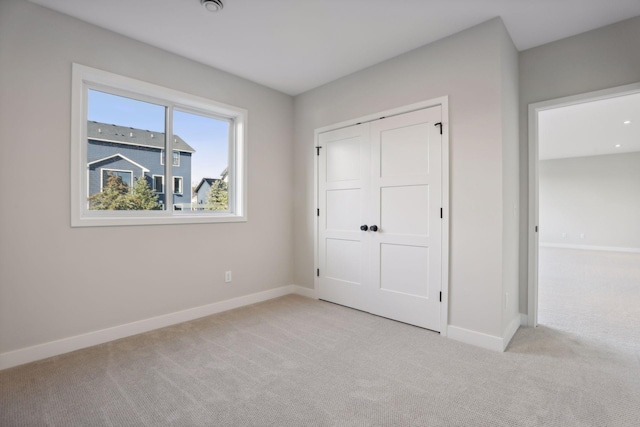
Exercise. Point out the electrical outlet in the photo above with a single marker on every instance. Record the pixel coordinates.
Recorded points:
(564, 235)
(227, 276)
(582, 235)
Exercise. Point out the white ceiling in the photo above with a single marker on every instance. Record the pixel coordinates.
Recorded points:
(590, 129)
(296, 45)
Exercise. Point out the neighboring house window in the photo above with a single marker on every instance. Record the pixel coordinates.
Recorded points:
(121, 126)
(177, 185)
(125, 176)
(158, 183)
(176, 158)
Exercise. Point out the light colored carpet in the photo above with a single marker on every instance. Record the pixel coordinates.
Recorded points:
(299, 362)
(591, 295)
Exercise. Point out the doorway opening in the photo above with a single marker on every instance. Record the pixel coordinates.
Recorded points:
(584, 205)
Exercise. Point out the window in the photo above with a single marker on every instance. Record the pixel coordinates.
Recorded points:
(177, 185)
(123, 176)
(158, 183)
(121, 126)
(176, 158)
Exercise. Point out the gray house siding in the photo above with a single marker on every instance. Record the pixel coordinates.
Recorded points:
(111, 163)
(203, 193)
(140, 159)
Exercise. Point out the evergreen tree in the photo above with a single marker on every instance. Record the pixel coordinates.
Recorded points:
(112, 197)
(142, 197)
(117, 195)
(218, 199)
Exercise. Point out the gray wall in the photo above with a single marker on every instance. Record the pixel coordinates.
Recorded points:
(597, 195)
(53, 279)
(599, 59)
(510, 183)
(477, 70)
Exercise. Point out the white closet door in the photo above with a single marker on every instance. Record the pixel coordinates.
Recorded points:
(343, 188)
(387, 175)
(406, 198)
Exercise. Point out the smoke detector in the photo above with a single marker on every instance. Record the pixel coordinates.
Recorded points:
(212, 5)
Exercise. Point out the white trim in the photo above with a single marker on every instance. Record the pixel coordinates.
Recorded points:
(173, 152)
(121, 156)
(86, 78)
(181, 185)
(590, 247)
(443, 101)
(305, 292)
(534, 110)
(153, 183)
(478, 339)
(511, 331)
(444, 307)
(65, 345)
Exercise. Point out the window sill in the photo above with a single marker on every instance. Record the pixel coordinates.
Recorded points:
(126, 219)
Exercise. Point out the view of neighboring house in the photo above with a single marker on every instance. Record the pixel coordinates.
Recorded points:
(201, 191)
(133, 153)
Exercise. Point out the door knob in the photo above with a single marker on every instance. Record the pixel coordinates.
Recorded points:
(364, 227)
(373, 228)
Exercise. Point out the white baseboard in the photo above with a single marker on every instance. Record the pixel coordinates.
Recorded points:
(489, 342)
(305, 292)
(589, 248)
(65, 345)
(511, 331)
(479, 339)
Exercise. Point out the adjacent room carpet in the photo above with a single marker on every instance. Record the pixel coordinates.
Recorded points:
(294, 361)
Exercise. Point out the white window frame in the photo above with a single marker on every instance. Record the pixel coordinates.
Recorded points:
(153, 183)
(85, 78)
(174, 163)
(181, 185)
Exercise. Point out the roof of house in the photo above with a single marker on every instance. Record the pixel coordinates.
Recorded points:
(209, 181)
(132, 136)
(122, 157)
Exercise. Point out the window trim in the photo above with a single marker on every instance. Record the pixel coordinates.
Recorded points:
(153, 183)
(85, 78)
(162, 156)
(181, 192)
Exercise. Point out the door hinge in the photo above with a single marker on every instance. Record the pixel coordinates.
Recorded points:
(439, 124)
(318, 212)
(318, 150)
(536, 228)
(440, 296)
(440, 213)
(318, 272)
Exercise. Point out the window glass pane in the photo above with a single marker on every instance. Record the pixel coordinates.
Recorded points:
(122, 176)
(203, 146)
(177, 185)
(124, 140)
(158, 184)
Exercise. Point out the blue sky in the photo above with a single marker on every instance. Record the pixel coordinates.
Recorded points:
(208, 136)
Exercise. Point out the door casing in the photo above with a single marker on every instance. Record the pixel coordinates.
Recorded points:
(533, 222)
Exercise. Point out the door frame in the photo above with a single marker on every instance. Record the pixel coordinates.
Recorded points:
(533, 220)
(443, 102)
